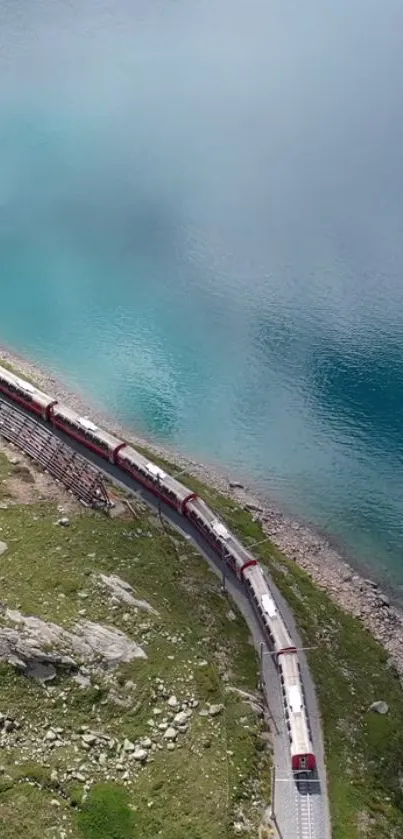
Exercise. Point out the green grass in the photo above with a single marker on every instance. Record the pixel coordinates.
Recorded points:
(106, 814)
(5, 472)
(27, 811)
(196, 789)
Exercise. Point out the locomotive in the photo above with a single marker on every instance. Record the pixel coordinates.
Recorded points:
(223, 542)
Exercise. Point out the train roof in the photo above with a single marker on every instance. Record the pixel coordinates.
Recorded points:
(295, 699)
(297, 715)
(281, 637)
(64, 412)
(220, 529)
(20, 384)
(238, 551)
(172, 485)
(269, 606)
(156, 470)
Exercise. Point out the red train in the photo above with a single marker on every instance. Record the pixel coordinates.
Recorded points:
(225, 544)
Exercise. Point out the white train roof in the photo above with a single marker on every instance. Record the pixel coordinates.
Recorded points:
(232, 544)
(271, 615)
(171, 484)
(155, 470)
(26, 387)
(293, 698)
(73, 417)
(269, 606)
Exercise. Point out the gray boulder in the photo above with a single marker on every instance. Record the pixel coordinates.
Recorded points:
(379, 707)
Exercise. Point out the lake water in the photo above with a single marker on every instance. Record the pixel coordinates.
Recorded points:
(202, 225)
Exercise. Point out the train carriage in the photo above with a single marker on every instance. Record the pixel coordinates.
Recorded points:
(218, 535)
(302, 755)
(269, 615)
(154, 478)
(25, 394)
(86, 432)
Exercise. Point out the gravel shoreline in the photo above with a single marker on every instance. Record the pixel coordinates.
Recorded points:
(312, 552)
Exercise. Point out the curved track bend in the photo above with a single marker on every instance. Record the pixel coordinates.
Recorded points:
(301, 811)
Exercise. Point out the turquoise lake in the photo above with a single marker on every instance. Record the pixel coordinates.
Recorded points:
(201, 211)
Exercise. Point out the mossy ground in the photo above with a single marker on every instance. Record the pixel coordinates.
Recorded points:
(220, 768)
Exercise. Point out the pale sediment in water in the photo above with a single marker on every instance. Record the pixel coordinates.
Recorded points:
(357, 595)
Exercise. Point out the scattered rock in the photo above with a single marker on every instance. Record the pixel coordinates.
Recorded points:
(215, 710)
(82, 680)
(41, 671)
(379, 707)
(171, 733)
(140, 754)
(89, 739)
(235, 485)
(64, 522)
(383, 600)
(128, 746)
(172, 701)
(3, 547)
(124, 592)
(182, 718)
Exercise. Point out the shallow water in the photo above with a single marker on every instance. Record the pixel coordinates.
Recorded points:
(201, 224)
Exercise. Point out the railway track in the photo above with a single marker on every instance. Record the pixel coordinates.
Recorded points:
(304, 809)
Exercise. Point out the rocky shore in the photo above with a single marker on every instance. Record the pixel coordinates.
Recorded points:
(355, 594)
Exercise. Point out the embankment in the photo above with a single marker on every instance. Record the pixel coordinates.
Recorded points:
(351, 591)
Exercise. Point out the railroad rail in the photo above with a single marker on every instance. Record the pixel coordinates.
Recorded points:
(304, 809)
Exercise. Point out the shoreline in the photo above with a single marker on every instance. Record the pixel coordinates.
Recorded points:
(310, 550)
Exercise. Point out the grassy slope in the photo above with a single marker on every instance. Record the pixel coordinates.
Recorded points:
(350, 669)
(195, 790)
(364, 751)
